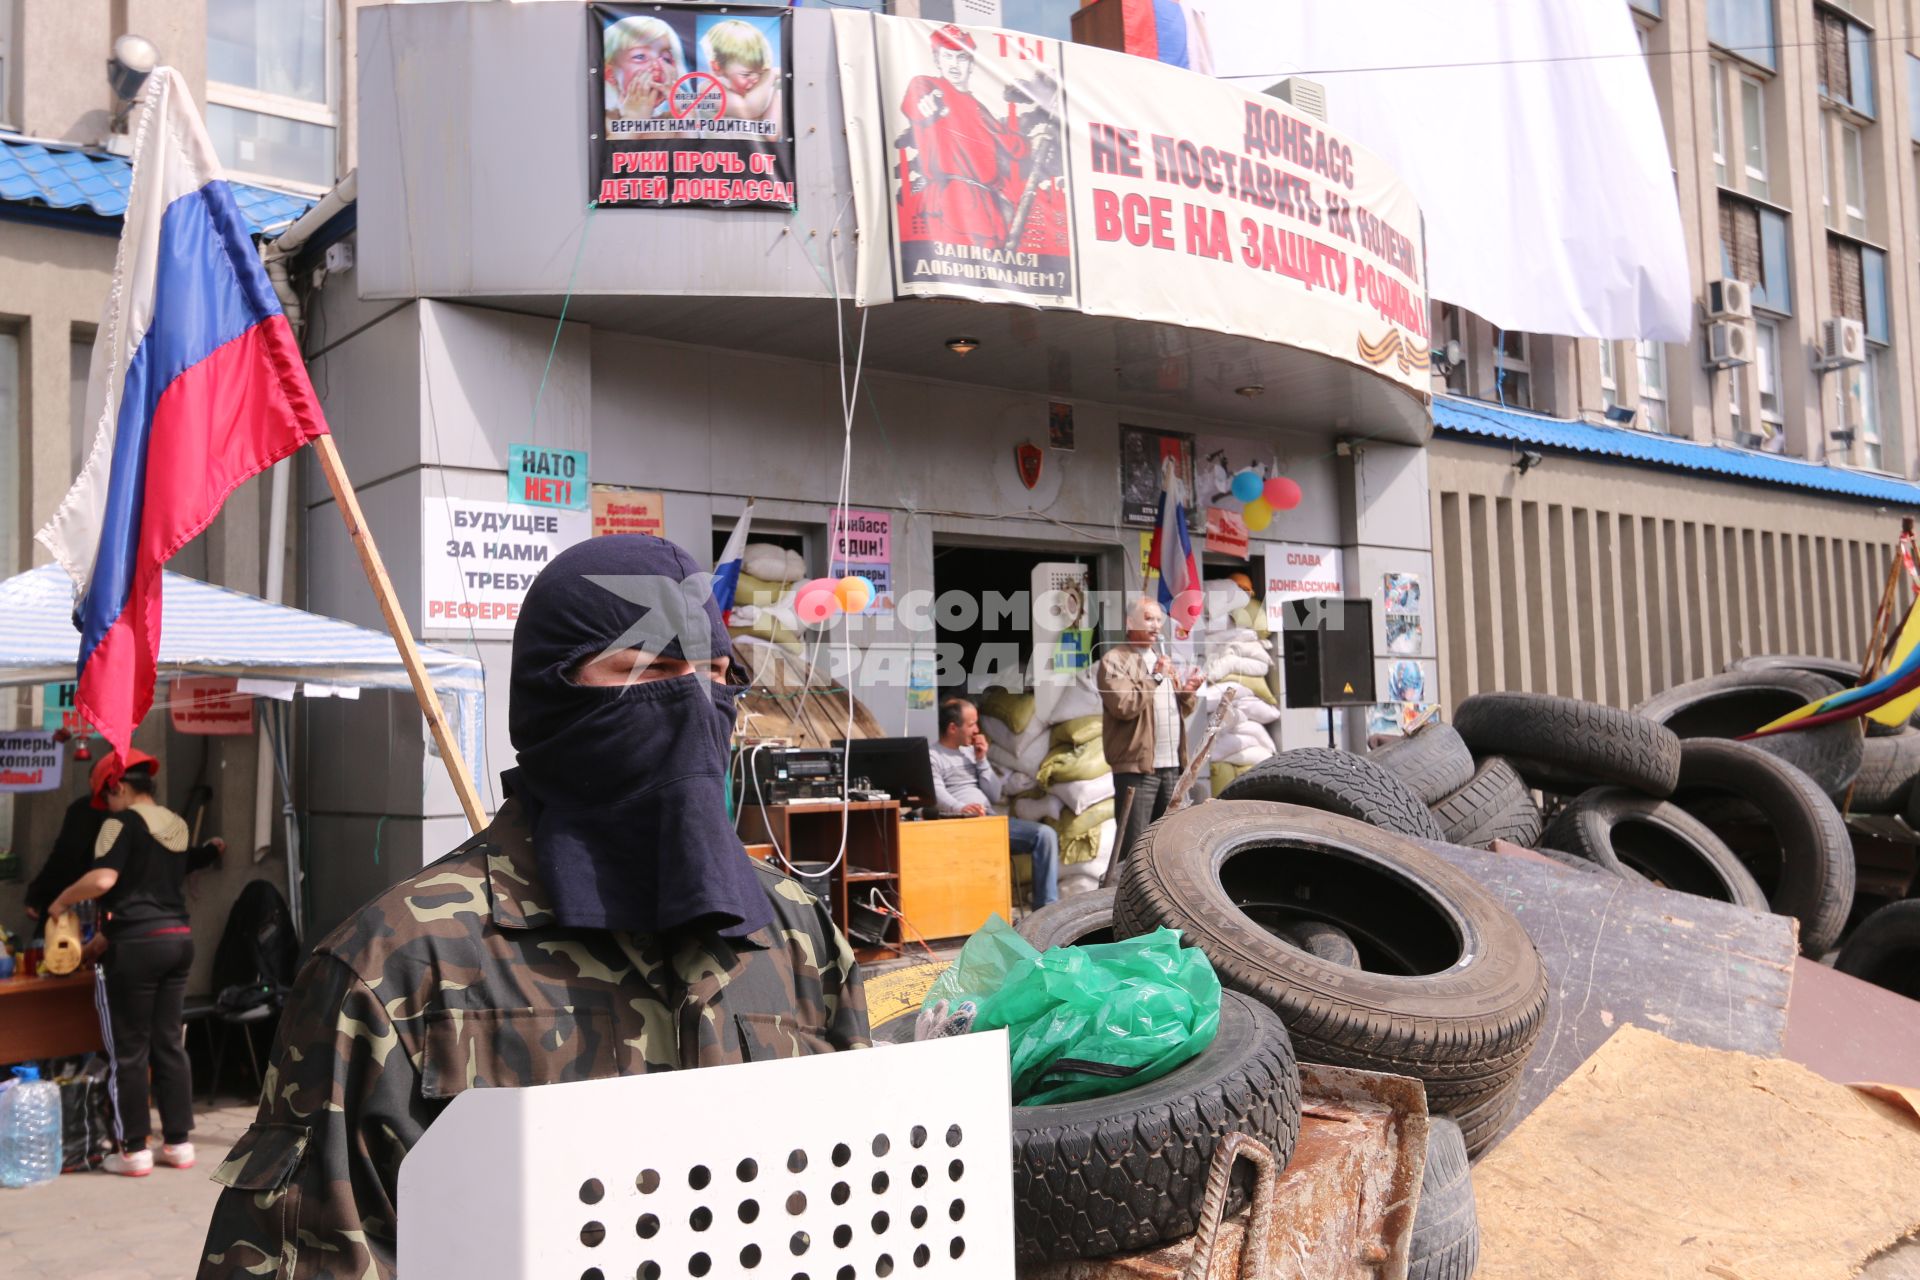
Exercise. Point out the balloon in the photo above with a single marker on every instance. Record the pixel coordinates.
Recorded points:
(815, 601)
(1187, 607)
(1246, 485)
(1281, 494)
(854, 593)
(1257, 514)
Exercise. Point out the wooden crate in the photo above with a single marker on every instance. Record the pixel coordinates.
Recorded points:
(954, 874)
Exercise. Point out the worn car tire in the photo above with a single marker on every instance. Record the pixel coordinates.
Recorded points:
(1328, 941)
(1452, 991)
(1884, 949)
(1432, 761)
(1888, 765)
(1071, 921)
(1103, 1175)
(1567, 746)
(1799, 851)
(1494, 805)
(1845, 673)
(1337, 782)
(1639, 838)
(1446, 1228)
(1734, 703)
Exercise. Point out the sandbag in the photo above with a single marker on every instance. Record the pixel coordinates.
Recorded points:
(1078, 797)
(1231, 633)
(770, 562)
(1222, 665)
(1225, 597)
(1071, 733)
(1256, 686)
(1075, 702)
(1076, 764)
(752, 589)
(1040, 808)
(1015, 710)
(1222, 774)
(1019, 784)
(1254, 711)
(1074, 825)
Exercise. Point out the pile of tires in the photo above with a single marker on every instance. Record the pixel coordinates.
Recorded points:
(1448, 988)
(1664, 795)
(1126, 1172)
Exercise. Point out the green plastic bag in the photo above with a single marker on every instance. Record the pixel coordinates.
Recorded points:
(1090, 1021)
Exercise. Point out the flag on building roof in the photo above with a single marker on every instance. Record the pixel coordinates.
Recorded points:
(726, 574)
(1167, 31)
(196, 385)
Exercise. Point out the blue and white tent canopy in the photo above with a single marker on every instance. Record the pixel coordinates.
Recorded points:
(211, 631)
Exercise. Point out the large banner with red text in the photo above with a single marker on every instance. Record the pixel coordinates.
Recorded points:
(1025, 170)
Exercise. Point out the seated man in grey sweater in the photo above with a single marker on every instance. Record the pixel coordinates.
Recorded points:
(965, 785)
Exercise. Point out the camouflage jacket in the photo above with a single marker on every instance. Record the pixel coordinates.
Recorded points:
(460, 978)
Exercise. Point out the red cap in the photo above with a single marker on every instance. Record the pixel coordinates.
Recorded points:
(952, 37)
(111, 768)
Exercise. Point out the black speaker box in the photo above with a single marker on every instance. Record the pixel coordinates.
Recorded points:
(1327, 653)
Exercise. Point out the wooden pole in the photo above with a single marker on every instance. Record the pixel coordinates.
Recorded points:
(349, 504)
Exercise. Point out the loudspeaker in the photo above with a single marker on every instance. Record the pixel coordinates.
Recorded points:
(1327, 653)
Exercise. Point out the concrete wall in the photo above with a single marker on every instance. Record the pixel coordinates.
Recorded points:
(1598, 580)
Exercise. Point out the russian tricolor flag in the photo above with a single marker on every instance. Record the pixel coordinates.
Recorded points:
(196, 385)
(1171, 554)
(1167, 31)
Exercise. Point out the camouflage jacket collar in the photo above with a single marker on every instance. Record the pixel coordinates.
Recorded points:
(516, 897)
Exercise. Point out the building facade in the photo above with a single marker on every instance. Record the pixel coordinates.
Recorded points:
(1688, 503)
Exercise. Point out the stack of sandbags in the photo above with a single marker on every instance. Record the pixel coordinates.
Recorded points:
(1017, 742)
(763, 601)
(1235, 648)
(1075, 772)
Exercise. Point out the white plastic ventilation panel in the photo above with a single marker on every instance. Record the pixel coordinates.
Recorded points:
(841, 1167)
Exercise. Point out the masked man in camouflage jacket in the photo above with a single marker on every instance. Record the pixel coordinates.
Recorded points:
(607, 923)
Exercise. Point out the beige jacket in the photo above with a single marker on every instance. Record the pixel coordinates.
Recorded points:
(1124, 677)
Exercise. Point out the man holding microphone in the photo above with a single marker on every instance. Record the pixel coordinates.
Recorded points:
(1144, 706)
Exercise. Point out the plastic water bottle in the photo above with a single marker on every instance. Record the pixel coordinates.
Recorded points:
(29, 1130)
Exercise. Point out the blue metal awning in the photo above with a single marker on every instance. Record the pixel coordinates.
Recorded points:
(84, 182)
(1456, 416)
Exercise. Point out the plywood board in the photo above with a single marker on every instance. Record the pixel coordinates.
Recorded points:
(1664, 1159)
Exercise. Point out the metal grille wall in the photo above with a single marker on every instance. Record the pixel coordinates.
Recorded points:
(1605, 582)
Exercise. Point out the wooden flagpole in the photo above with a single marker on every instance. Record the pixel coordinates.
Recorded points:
(349, 504)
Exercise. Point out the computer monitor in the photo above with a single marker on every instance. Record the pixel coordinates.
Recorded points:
(901, 767)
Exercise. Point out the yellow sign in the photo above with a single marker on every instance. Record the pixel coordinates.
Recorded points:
(617, 510)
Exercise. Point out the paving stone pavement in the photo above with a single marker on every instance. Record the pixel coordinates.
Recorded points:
(95, 1226)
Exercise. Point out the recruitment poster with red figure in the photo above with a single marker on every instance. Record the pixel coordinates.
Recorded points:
(978, 175)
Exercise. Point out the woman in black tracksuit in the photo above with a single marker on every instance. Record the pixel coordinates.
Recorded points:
(141, 860)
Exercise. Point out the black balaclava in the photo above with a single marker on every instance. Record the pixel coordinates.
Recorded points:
(625, 786)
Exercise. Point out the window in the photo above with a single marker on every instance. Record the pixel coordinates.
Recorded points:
(10, 477)
(1609, 383)
(1863, 384)
(1853, 167)
(1720, 144)
(272, 88)
(1766, 352)
(1873, 295)
(1452, 327)
(1513, 379)
(1844, 61)
(1649, 7)
(1913, 97)
(79, 360)
(1753, 128)
(1653, 385)
(1753, 247)
(1826, 174)
(1744, 27)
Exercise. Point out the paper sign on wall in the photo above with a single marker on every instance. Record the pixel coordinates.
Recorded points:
(30, 760)
(1226, 532)
(863, 545)
(1299, 571)
(617, 510)
(59, 709)
(480, 558)
(210, 705)
(540, 477)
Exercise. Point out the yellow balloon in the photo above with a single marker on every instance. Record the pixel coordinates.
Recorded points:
(1258, 514)
(854, 593)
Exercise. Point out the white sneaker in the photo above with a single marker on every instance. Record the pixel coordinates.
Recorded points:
(177, 1156)
(136, 1165)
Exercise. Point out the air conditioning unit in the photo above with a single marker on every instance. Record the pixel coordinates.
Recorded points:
(1308, 97)
(1729, 345)
(1842, 342)
(1729, 300)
